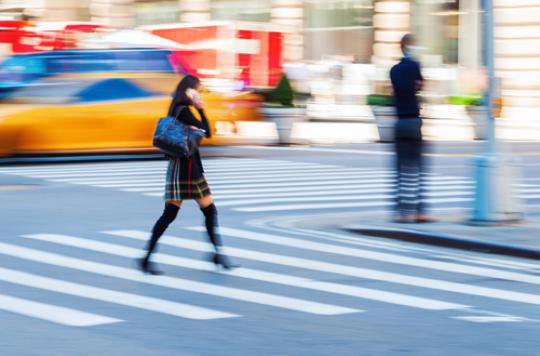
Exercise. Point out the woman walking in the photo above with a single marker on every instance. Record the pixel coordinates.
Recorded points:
(185, 179)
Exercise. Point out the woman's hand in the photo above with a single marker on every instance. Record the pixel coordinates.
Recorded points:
(195, 98)
(198, 102)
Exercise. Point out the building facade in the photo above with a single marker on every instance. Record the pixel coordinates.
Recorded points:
(364, 31)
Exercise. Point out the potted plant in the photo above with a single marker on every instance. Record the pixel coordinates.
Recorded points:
(279, 108)
(475, 111)
(384, 112)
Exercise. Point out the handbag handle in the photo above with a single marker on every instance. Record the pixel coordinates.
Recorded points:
(179, 109)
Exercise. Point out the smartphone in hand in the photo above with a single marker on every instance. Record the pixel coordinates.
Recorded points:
(195, 98)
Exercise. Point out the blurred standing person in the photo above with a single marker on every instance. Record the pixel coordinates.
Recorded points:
(407, 80)
(185, 178)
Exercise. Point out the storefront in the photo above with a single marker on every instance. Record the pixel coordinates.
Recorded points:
(360, 31)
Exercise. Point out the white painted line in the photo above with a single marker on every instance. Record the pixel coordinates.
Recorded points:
(241, 201)
(158, 178)
(326, 187)
(296, 171)
(260, 187)
(315, 149)
(93, 173)
(350, 271)
(174, 283)
(94, 167)
(337, 191)
(343, 182)
(327, 179)
(133, 165)
(148, 174)
(377, 256)
(491, 319)
(298, 282)
(88, 175)
(123, 251)
(525, 196)
(68, 172)
(288, 207)
(111, 296)
(479, 261)
(334, 178)
(284, 192)
(53, 313)
(394, 246)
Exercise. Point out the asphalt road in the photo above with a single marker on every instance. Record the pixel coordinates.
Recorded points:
(70, 233)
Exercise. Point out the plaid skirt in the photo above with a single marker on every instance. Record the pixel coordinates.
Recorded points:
(185, 180)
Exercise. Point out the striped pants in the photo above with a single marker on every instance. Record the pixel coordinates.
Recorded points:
(409, 167)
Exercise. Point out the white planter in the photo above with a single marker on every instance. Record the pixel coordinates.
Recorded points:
(284, 119)
(385, 118)
(477, 114)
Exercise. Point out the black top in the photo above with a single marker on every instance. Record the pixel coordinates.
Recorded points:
(187, 117)
(405, 77)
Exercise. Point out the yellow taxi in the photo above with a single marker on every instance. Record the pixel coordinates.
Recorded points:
(104, 115)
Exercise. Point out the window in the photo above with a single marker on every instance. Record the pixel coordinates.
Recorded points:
(436, 25)
(338, 13)
(339, 28)
(241, 10)
(156, 12)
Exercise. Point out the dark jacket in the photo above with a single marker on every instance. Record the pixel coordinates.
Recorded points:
(187, 117)
(405, 77)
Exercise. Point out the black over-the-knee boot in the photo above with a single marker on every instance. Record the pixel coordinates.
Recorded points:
(169, 214)
(210, 219)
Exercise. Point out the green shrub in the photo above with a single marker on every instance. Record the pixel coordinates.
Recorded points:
(282, 93)
(380, 100)
(466, 100)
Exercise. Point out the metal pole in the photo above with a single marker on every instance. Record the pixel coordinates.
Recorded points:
(495, 200)
(489, 61)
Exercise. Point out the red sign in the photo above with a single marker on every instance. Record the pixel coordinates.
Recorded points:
(250, 52)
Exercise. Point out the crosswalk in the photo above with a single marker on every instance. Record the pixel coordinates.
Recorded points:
(261, 185)
(314, 274)
(272, 260)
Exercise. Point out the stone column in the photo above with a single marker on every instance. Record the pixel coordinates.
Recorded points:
(391, 20)
(114, 13)
(289, 15)
(195, 10)
(517, 51)
(470, 34)
(58, 10)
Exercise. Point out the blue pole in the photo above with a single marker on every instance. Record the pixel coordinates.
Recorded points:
(489, 61)
(483, 202)
(496, 200)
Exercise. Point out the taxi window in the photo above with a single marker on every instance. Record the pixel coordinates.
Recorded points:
(142, 61)
(80, 63)
(24, 65)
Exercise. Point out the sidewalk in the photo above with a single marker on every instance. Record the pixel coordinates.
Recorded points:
(520, 239)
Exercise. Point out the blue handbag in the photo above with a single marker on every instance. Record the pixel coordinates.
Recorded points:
(176, 138)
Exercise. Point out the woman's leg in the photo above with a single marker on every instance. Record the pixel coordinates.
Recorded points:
(167, 217)
(210, 218)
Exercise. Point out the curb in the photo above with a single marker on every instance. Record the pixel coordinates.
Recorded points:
(422, 237)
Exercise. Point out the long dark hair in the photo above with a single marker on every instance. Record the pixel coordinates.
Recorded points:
(180, 98)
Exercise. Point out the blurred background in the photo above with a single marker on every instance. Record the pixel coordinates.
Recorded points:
(73, 72)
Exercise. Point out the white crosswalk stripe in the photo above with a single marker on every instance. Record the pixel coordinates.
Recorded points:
(357, 272)
(174, 283)
(377, 256)
(111, 296)
(254, 294)
(52, 313)
(260, 185)
(394, 298)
